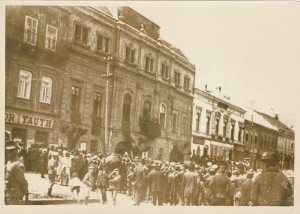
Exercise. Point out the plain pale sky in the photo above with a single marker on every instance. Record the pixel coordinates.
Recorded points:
(250, 49)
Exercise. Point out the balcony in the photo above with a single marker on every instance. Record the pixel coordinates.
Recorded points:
(149, 127)
(96, 125)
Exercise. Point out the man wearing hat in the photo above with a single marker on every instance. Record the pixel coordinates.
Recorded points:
(156, 184)
(271, 187)
(52, 165)
(16, 184)
(114, 183)
(219, 187)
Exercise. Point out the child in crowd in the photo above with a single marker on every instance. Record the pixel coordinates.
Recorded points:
(88, 181)
(75, 184)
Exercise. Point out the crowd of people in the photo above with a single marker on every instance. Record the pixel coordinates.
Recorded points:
(162, 182)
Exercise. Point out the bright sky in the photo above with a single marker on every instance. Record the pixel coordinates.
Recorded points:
(250, 49)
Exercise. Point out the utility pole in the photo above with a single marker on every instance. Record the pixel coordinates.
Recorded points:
(252, 159)
(106, 76)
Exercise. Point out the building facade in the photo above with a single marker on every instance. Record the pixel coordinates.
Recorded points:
(260, 136)
(285, 141)
(152, 95)
(35, 61)
(217, 127)
(105, 70)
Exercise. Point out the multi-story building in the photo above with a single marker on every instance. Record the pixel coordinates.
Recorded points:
(55, 60)
(285, 141)
(217, 127)
(152, 95)
(35, 60)
(260, 136)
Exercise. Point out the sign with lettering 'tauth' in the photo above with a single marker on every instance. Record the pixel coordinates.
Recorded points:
(28, 120)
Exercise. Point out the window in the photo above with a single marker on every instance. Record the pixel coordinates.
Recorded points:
(246, 137)
(240, 134)
(197, 122)
(147, 109)
(94, 146)
(81, 34)
(51, 38)
(224, 128)
(255, 139)
(232, 129)
(102, 43)
(24, 84)
(164, 71)
(174, 122)
(161, 153)
(97, 104)
(184, 125)
(46, 90)
(217, 123)
(130, 55)
(186, 84)
(208, 114)
(30, 33)
(126, 108)
(162, 116)
(149, 64)
(75, 98)
(177, 78)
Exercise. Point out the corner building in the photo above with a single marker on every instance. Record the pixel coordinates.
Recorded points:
(36, 54)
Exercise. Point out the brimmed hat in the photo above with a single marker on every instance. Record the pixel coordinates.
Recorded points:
(91, 167)
(215, 166)
(156, 163)
(11, 145)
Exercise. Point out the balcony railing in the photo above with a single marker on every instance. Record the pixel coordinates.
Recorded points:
(149, 127)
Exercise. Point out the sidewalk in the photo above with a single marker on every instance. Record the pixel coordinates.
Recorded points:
(38, 188)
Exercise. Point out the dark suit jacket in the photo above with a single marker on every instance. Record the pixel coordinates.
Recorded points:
(219, 186)
(189, 183)
(156, 180)
(138, 176)
(246, 188)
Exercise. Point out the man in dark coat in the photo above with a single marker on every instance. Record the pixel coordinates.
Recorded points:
(245, 189)
(219, 187)
(189, 185)
(271, 187)
(138, 179)
(156, 184)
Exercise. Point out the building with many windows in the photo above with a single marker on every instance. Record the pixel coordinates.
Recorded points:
(35, 61)
(217, 127)
(106, 70)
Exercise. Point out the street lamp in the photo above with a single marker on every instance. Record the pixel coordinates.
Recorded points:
(106, 76)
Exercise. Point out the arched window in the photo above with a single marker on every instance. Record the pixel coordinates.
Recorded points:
(162, 116)
(126, 108)
(146, 109)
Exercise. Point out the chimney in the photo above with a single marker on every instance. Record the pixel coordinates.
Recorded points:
(276, 116)
(219, 87)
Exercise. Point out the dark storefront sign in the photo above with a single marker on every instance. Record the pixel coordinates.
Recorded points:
(28, 120)
(198, 140)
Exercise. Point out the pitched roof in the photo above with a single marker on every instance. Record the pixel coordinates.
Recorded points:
(258, 119)
(176, 50)
(280, 125)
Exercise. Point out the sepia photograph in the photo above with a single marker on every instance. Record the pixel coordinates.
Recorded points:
(125, 106)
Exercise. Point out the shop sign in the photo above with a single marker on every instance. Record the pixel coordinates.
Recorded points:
(28, 120)
(198, 140)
